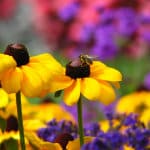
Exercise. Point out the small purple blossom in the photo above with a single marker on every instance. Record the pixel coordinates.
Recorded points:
(55, 128)
(130, 120)
(92, 129)
(68, 12)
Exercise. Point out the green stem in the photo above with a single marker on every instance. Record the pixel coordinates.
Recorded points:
(20, 120)
(80, 124)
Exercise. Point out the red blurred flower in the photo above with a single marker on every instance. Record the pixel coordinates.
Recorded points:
(7, 8)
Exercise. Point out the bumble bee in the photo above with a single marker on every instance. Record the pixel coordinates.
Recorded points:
(86, 59)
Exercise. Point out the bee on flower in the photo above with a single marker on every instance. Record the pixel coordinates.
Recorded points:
(83, 74)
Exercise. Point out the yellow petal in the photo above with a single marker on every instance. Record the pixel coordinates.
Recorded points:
(6, 62)
(3, 98)
(60, 82)
(75, 144)
(40, 144)
(126, 147)
(109, 74)
(145, 117)
(42, 71)
(8, 135)
(72, 93)
(90, 88)
(107, 95)
(135, 100)
(96, 68)
(104, 125)
(48, 60)
(11, 80)
(32, 84)
(33, 124)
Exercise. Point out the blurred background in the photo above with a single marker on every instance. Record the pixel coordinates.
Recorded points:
(115, 31)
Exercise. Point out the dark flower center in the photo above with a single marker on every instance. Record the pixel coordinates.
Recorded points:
(77, 69)
(19, 52)
(63, 139)
(12, 124)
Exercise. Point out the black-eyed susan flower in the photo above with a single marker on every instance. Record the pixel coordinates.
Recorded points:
(32, 117)
(92, 80)
(139, 104)
(20, 72)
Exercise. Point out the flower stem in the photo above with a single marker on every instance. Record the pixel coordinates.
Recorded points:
(20, 120)
(80, 124)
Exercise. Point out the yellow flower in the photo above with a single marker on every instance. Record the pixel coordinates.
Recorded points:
(137, 102)
(40, 144)
(8, 135)
(19, 72)
(3, 98)
(33, 118)
(94, 81)
(30, 140)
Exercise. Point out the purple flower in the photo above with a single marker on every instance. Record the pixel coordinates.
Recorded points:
(68, 12)
(96, 144)
(138, 138)
(92, 129)
(127, 21)
(130, 120)
(54, 129)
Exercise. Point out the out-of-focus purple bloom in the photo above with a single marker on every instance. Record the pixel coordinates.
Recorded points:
(147, 81)
(71, 26)
(138, 137)
(97, 144)
(130, 120)
(105, 51)
(68, 12)
(127, 21)
(135, 135)
(54, 129)
(92, 129)
(105, 45)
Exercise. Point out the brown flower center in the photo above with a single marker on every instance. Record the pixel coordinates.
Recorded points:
(63, 139)
(77, 69)
(19, 52)
(12, 124)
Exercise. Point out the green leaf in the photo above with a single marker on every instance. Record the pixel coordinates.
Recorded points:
(2, 124)
(10, 144)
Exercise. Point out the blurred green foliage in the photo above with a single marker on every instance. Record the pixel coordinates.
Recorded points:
(133, 71)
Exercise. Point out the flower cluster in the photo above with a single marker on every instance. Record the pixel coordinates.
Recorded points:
(99, 28)
(124, 132)
(38, 75)
(130, 132)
